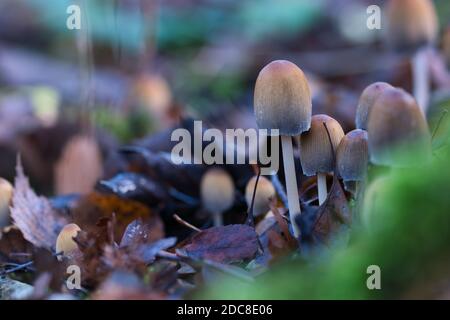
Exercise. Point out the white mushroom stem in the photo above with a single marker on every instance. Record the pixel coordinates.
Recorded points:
(421, 85)
(322, 187)
(218, 219)
(291, 181)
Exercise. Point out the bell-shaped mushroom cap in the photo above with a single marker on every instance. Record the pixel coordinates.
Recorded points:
(366, 101)
(65, 243)
(352, 156)
(282, 99)
(316, 153)
(396, 124)
(411, 23)
(6, 193)
(217, 190)
(264, 192)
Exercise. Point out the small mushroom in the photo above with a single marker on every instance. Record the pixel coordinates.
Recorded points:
(366, 101)
(6, 193)
(396, 124)
(317, 155)
(352, 157)
(217, 193)
(282, 101)
(412, 25)
(264, 193)
(65, 245)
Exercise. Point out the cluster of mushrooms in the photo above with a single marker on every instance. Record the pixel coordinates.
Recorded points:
(388, 119)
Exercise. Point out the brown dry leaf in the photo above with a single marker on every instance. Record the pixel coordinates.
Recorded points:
(13, 246)
(332, 214)
(94, 206)
(79, 167)
(33, 215)
(92, 245)
(227, 244)
(46, 263)
(100, 255)
(277, 245)
(289, 239)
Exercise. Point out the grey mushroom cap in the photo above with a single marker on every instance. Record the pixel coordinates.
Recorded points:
(352, 156)
(282, 99)
(366, 102)
(396, 125)
(411, 24)
(316, 153)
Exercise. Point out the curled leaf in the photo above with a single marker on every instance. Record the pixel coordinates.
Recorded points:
(227, 244)
(38, 221)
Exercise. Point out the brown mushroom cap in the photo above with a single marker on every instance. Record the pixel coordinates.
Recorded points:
(316, 154)
(6, 193)
(352, 156)
(411, 23)
(282, 99)
(397, 122)
(65, 243)
(264, 192)
(366, 101)
(217, 190)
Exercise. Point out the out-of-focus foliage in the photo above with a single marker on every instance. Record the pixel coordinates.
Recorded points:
(181, 26)
(124, 127)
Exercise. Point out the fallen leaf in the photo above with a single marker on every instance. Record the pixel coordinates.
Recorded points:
(318, 226)
(135, 187)
(227, 244)
(95, 206)
(13, 246)
(147, 252)
(277, 245)
(135, 234)
(33, 215)
(289, 239)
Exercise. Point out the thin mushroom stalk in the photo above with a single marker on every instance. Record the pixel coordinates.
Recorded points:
(421, 84)
(322, 190)
(282, 101)
(217, 219)
(291, 179)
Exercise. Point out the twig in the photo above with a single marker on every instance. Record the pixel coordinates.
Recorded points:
(183, 197)
(18, 267)
(185, 223)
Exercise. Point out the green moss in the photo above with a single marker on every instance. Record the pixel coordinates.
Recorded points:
(410, 235)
